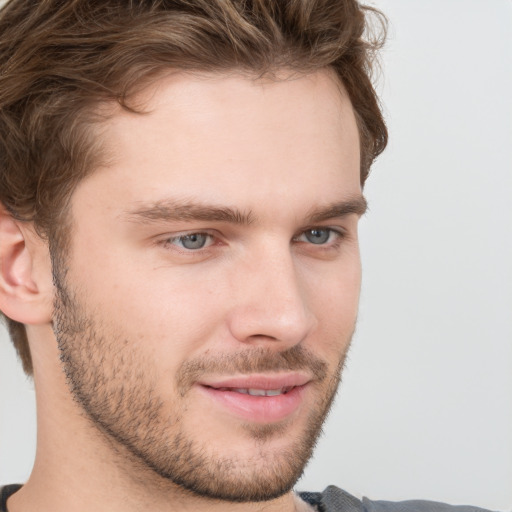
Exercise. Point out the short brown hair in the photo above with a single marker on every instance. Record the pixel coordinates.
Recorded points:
(61, 58)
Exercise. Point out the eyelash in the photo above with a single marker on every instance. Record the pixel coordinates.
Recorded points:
(331, 243)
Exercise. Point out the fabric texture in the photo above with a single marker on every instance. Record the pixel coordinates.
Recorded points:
(333, 499)
(5, 492)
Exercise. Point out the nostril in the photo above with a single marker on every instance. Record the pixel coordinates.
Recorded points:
(263, 337)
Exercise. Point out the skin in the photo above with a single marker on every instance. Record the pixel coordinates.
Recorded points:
(141, 321)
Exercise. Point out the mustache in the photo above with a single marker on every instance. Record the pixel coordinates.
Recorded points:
(257, 360)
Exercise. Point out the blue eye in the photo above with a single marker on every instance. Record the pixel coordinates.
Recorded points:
(193, 241)
(318, 235)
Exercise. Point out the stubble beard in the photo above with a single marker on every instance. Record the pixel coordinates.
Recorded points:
(113, 386)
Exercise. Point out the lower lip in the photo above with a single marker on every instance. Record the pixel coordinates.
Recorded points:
(258, 409)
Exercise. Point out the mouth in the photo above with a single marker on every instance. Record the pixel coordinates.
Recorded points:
(258, 399)
(258, 392)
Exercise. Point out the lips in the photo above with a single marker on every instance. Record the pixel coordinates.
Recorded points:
(258, 398)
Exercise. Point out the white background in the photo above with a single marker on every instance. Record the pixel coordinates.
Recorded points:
(425, 409)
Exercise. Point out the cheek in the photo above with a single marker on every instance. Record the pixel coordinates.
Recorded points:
(336, 287)
(164, 313)
(336, 303)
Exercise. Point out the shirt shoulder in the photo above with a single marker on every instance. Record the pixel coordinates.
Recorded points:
(334, 499)
(416, 506)
(5, 492)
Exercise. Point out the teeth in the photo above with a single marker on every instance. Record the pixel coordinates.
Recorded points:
(261, 392)
(258, 392)
(274, 392)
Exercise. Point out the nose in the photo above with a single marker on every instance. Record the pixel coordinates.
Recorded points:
(270, 303)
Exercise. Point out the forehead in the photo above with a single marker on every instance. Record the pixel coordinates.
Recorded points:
(233, 139)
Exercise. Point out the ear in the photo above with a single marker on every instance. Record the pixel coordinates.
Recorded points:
(26, 289)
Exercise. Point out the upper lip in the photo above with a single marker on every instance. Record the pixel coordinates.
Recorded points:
(259, 381)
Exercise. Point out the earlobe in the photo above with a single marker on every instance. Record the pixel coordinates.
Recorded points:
(25, 294)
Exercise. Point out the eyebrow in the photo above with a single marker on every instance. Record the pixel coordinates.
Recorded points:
(183, 211)
(352, 206)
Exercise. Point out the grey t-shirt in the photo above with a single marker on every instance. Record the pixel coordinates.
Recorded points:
(332, 499)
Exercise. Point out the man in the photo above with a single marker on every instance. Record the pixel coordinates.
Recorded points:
(181, 184)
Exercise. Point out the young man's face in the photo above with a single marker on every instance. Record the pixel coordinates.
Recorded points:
(213, 279)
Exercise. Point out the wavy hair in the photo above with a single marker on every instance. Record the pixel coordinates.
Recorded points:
(61, 59)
